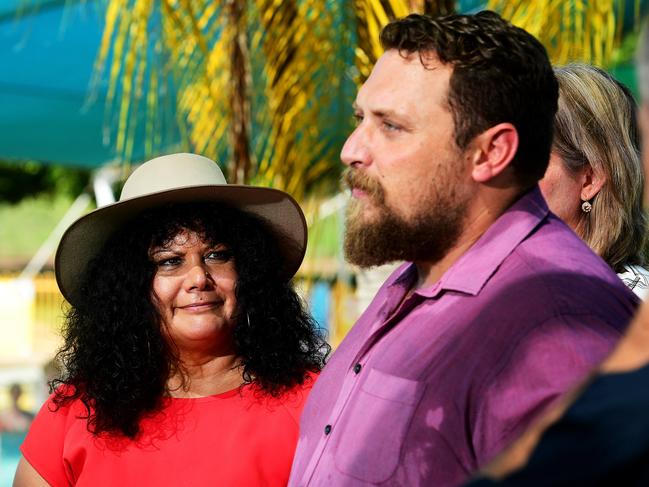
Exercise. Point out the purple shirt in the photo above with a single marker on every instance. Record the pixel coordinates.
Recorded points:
(423, 392)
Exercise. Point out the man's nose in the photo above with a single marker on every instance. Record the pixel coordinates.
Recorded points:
(356, 150)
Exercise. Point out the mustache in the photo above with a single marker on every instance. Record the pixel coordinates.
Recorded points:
(354, 179)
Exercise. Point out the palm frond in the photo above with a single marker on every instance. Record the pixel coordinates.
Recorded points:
(373, 15)
(207, 48)
(577, 30)
(298, 88)
(261, 85)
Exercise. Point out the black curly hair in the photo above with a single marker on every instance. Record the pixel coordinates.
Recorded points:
(501, 73)
(116, 358)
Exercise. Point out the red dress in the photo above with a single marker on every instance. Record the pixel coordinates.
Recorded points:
(237, 438)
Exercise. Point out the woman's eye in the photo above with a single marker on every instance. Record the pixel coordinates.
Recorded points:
(168, 262)
(219, 255)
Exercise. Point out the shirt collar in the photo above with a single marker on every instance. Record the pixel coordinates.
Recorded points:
(474, 268)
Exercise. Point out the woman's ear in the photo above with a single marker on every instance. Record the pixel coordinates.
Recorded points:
(592, 183)
(493, 150)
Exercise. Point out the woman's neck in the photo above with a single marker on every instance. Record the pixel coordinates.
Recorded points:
(205, 376)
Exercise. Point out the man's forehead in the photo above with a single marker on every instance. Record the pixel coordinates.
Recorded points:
(383, 109)
(398, 76)
(426, 60)
(400, 67)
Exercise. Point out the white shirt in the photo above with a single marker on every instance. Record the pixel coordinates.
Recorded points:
(637, 279)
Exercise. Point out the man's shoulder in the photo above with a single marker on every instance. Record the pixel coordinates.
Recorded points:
(555, 252)
(554, 272)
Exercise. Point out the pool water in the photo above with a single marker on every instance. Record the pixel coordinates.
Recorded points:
(9, 456)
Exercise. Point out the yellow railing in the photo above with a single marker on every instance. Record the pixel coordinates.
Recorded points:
(49, 305)
(31, 314)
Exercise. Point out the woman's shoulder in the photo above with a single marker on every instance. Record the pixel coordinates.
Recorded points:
(65, 400)
(57, 417)
(293, 399)
(300, 390)
(55, 426)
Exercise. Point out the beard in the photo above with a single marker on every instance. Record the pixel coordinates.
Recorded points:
(427, 235)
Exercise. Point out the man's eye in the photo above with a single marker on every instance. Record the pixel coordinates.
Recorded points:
(391, 127)
(358, 118)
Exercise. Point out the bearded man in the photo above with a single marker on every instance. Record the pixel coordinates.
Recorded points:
(598, 435)
(499, 308)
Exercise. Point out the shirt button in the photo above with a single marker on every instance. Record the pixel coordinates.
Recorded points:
(327, 429)
(357, 368)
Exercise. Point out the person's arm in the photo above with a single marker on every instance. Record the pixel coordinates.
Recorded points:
(27, 476)
(632, 351)
(42, 450)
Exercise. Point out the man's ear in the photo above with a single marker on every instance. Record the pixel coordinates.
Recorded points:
(592, 182)
(492, 151)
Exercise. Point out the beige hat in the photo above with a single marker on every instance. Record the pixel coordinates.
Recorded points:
(177, 178)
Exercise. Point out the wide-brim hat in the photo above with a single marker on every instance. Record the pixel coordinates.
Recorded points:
(177, 178)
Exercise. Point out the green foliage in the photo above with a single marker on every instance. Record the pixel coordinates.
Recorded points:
(625, 53)
(29, 179)
(24, 226)
(324, 237)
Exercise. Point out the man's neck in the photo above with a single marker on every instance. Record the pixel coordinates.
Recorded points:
(484, 210)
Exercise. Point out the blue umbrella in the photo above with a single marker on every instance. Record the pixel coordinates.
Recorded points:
(47, 53)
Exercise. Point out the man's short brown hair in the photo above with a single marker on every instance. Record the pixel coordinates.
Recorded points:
(501, 73)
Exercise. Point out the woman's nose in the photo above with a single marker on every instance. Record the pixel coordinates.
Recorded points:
(198, 277)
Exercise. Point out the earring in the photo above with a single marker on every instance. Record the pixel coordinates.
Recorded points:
(586, 207)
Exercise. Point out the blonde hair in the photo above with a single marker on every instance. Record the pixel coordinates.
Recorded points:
(596, 125)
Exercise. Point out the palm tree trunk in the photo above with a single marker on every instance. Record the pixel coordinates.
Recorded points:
(282, 82)
(240, 106)
(437, 8)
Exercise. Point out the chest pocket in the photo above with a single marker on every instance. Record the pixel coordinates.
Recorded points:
(373, 427)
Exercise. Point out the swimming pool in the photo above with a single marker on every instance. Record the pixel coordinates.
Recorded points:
(9, 456)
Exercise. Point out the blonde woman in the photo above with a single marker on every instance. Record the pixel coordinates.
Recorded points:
(594, 181)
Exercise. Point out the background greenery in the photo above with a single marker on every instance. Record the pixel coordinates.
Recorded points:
(24, 226)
